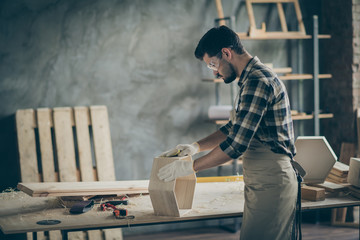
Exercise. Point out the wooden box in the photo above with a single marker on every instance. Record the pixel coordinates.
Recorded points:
(172, 198)
(312, 193)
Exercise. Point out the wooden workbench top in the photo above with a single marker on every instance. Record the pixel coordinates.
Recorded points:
(20, 212)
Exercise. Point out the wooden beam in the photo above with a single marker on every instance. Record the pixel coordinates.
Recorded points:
(220, 12)
(282, 17)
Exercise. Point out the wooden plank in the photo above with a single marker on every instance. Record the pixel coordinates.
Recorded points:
(113, 234)
(336, 179)
(303, 76)
(76, 235)
(282, 17)
(282, 70)
(94, 234)
(347, 151)
(250, 12)
(65, 149)
(102, 143)
(340, 169)
(25, 124)
(82, 122)
(330, 187)
(103, 155)
(299, 17)
(84, 188)
(312, 193)
(220, 12)
(44, 118)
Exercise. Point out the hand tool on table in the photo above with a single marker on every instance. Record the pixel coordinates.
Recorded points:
(122, 214)
(119, 213)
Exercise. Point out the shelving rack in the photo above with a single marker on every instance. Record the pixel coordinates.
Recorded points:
(285, 35)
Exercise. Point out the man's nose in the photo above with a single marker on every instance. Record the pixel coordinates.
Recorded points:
(215, 72)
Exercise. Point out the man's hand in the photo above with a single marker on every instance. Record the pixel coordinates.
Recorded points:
(178, 168)
(182, 150)
(188, 149)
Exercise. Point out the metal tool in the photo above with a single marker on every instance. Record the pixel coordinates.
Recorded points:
(118, 202)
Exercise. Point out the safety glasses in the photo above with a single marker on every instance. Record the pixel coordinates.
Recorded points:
(215, 63)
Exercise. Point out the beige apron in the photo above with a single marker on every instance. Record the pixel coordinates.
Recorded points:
(270, 194)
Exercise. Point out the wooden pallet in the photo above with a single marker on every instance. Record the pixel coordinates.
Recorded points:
(55, 145)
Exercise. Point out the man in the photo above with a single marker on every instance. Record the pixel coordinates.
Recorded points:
(260, 130)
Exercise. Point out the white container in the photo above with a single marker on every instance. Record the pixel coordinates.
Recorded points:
(354, 172)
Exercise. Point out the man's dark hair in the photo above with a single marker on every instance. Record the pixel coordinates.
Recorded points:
(216, 39)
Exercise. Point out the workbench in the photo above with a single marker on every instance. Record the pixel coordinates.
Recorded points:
(19, 213)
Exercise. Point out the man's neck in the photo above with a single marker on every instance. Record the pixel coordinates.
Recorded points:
(240, 62)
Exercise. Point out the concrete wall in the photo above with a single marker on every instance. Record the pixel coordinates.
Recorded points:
(136, 57)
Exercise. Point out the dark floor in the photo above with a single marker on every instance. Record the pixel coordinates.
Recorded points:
(310, 232)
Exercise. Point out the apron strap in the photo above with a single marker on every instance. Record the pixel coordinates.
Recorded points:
(300, 173)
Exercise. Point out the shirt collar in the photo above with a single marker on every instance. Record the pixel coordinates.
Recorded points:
(247, 69)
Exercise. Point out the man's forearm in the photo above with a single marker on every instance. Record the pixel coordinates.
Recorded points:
(211, 141)
(212, 159)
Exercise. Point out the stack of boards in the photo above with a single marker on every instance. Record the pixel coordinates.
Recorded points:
(338, 173)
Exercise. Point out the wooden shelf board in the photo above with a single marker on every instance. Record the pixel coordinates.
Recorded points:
(287, 70)
(294, 117)
(284, 78)
(311, 116)
(280, 35)
(303, 76)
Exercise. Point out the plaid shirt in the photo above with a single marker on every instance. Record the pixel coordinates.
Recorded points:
(263, 112)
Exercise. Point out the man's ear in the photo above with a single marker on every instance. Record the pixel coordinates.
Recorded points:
(226, 53)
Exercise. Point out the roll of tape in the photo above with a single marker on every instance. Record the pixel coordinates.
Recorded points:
(354, 172)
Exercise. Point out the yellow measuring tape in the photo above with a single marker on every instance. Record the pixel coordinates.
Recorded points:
(220, 179)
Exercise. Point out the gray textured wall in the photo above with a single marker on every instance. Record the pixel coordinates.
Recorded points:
(135, 57)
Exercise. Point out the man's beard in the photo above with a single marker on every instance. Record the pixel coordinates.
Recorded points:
(232, 76)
